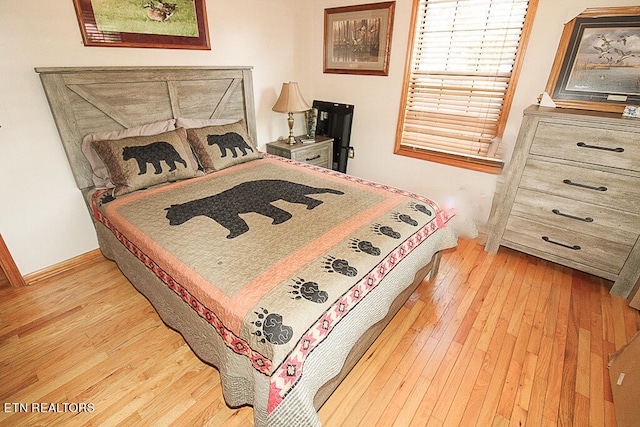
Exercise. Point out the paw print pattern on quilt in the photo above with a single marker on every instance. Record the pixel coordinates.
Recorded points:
(400, 217)
(338, 265)
(308, 290)
(385, 230)
(365, 246)
(272, 328)
(420, 208)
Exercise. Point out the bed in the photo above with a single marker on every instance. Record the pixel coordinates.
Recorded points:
(279, 274)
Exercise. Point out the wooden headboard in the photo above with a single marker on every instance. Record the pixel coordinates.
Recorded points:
(98, 99)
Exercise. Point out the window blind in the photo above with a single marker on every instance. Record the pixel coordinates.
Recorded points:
(461, 63)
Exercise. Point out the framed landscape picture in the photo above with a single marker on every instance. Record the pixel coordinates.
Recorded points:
(181, 24)
(357, 39)
(597, 66)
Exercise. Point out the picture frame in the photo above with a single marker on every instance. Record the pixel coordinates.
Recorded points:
(357, 39)
(597, 65)
(181, 24)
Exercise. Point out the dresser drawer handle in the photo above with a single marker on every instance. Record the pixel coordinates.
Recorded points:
(590, 187)
(574, 247)
(617, 150)
(557, 212)
(312, 158)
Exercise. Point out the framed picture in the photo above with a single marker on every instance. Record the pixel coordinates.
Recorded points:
(357, 39)
(597, 66)
(181, 24)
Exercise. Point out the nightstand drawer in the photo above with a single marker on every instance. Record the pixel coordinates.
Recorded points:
(318, 156)
(591, 145)
(319, 153)
(588, 250)
(592, 186)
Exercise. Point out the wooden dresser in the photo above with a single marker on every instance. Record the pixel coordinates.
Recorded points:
(571, 194)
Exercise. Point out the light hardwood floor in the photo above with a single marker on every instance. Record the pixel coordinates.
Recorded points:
(4, 282)
(503, 339)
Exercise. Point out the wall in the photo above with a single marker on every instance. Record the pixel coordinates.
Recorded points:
(282, 40)
(42, 215)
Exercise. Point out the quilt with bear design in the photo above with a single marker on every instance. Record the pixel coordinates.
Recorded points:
(272, 253)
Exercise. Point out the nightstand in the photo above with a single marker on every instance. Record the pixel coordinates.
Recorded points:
(318, 153)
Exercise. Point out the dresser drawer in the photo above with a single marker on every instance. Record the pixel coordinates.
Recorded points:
(612, 190)
(587, 250)
(569, 214)
(617, 149)
(318, 156)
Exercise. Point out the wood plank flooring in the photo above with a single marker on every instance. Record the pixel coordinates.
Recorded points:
(504, 339)
(4, 282)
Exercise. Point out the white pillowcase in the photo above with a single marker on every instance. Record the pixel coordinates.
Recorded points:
(101, 178)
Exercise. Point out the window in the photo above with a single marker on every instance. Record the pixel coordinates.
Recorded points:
(461, 71)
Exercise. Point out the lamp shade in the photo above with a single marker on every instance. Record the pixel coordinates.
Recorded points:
(290, 100)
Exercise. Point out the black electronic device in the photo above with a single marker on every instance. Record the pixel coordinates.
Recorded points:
(334, 120)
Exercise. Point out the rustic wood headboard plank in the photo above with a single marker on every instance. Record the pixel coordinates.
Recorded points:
(106, 108)
(97, 99)
(57, 95)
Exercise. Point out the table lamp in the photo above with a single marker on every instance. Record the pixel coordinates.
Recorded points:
(290, 101)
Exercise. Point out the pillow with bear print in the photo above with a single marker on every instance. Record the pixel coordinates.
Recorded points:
(142, 161)
(100, 173)
(218, 147)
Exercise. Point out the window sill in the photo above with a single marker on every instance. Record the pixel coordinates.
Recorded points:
(480, 164)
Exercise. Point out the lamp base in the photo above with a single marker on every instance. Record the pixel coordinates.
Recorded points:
(292, 139)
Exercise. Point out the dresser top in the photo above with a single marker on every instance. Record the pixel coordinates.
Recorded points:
(593, 117)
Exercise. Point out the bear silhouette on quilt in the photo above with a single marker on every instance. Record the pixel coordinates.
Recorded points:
(252, 196)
